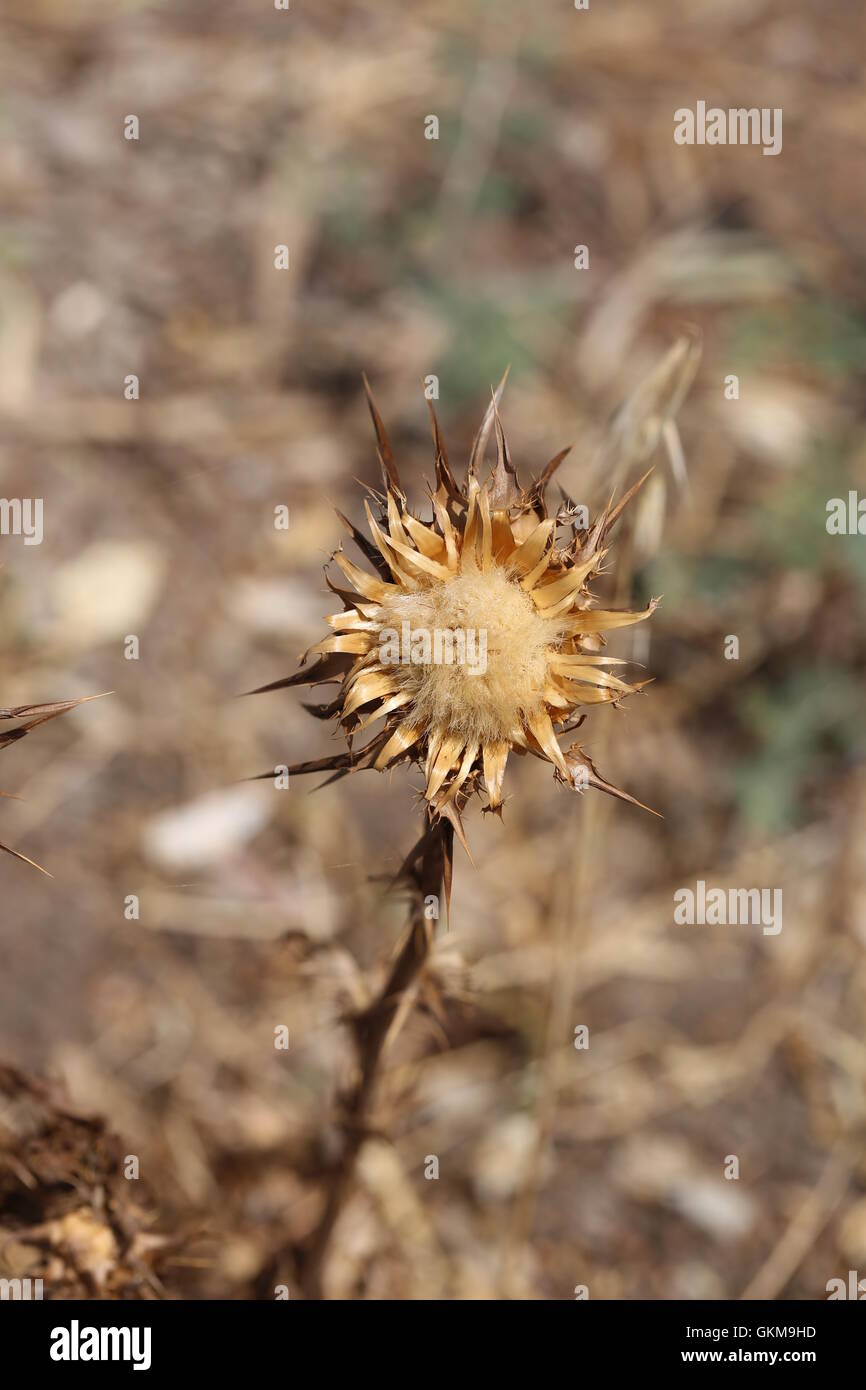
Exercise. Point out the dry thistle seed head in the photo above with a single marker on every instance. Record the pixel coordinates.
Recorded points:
(475, 636)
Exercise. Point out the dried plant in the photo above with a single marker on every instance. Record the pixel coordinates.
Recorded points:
(70, 1214)
(489, 562)
(492, 562)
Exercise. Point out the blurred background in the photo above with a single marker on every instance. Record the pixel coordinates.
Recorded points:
(411, 257)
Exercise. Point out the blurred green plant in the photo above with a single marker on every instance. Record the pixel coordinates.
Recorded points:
(818, 332)
(802, 728)
(486, 333)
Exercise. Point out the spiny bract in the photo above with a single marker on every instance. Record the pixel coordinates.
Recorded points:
(474, 636)
(30, 717)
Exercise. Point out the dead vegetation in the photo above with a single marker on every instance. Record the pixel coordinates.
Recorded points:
(257, 910)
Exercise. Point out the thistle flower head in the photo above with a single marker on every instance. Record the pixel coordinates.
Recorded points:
(473, 633)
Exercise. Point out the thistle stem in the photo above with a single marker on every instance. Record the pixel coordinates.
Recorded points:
(371, 1029)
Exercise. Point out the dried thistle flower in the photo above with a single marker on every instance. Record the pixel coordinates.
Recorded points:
(491, 561)
(489, 575)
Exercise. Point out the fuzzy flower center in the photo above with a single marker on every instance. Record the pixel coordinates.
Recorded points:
(472, 651)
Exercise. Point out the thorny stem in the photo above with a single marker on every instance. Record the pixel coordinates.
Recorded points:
(371, 1029)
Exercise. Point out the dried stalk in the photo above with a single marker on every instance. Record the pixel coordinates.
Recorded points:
(371, 1031)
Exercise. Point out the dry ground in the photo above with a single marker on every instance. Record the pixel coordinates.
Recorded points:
(409, 257)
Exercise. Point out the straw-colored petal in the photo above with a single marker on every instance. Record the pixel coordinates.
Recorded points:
(604, 620)
(434, 743)
(571, 670)
(448, 534)
(414, 557)
(351, 621)
(387, 707)
(395, 520)
(426, 539)
(542, 731)
(486, 531)
(402, 739)
(370, 685)
(527, 555)
(593, 695)
(423, 562)
(495, 757)
(468, 557)
(548, 596)
(358, 643)
(556, 698)
(366, 584)
(503, 538)
(447, 758)
(469, 756)
(586, 660)
(388, 549)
